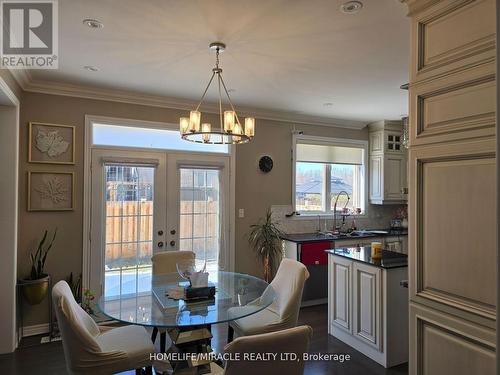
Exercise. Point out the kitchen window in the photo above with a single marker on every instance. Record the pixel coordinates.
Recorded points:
(323, 167)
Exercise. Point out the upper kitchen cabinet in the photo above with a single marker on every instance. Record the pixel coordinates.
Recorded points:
(388, 182)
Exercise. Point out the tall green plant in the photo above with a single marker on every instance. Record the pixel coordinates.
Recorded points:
(265, 238)
(40, 256)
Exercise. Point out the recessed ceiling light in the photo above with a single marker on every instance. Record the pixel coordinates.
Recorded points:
(328, 104)
(91, 68)
(93, 24)
(351, 7)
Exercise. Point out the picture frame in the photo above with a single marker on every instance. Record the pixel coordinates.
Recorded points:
(51, 143)
(51, 191)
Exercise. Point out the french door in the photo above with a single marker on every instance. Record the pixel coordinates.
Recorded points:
(144, 202)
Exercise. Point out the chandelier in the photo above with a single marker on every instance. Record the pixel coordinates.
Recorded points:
(230, 130)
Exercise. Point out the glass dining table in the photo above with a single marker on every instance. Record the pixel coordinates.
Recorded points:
(188, 322)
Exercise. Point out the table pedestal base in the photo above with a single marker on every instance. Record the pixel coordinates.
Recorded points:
(190, 351)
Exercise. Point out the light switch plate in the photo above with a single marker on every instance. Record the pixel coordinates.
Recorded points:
(241, 213)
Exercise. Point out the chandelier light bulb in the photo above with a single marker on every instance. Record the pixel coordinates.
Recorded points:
(206, 128)
(194, 121)
(228, 121)
(184, 124)
(250, 126)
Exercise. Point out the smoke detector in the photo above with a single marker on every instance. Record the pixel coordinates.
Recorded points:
(351, 7)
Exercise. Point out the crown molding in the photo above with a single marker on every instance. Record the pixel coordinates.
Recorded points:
(22, 77)
(27, 83)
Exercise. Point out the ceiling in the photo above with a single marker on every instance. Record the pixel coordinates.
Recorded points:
(284, 55)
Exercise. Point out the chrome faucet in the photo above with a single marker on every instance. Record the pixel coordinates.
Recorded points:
(335, 207)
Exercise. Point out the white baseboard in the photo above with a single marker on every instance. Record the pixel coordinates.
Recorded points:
(37, 329)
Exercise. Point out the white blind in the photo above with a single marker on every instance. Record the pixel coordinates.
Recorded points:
(323, 153)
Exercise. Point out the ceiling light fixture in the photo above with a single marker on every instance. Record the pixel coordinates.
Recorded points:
(93, 24)
(230, 131)
(351, 7)
(91, 68)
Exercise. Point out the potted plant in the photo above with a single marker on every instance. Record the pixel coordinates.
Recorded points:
(36, 286)
(265, 238)
(75, 286)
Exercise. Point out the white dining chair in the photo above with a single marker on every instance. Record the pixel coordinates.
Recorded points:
(90, 349)
(293, 340)
(283, 313)
(164, 263)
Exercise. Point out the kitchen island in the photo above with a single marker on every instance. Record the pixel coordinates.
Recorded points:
(368, 302)
(309, 249)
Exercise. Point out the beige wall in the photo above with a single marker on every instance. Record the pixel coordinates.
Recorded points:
(255, 191)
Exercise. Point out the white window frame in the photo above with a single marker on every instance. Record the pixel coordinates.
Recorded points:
(87, 188)
(341, 142)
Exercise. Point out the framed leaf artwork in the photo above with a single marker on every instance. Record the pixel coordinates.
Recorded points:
(51, 143)
(50, 191)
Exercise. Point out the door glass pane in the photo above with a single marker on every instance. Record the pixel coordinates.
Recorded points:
(129, 229)
(200, 214)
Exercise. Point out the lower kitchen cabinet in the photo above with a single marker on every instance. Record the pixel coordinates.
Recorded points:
(340, 271)
(368, 309)
(366, 304)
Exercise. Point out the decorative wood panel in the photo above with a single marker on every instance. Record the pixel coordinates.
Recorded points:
(465, 106)
(444, 345)
(395, 168)
(456, 195)
(341, 284)
(376, 142)
(376, 177)
(366, 306)
(442, 38)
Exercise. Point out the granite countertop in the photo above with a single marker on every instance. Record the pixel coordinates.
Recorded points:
(389, 260)
(317, 237)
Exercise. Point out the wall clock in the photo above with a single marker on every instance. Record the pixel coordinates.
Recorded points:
(266, 164)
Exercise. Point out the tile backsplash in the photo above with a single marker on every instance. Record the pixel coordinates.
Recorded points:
(377, 217)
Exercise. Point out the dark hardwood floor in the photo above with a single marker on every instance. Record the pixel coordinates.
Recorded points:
(33, 358)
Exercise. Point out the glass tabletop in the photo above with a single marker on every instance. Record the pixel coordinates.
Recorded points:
(237, 295)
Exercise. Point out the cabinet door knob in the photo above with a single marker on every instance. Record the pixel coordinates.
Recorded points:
(160, 233)
(160, 244)
(172, 243)
(172, 232)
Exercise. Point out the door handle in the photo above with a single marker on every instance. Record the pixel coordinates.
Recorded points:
(160, 244)
(172, 243)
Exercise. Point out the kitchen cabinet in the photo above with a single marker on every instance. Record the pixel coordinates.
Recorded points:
(309, 249)
(453, 177)
(368, 306)
(367, 319)
(387, 163)
(341, 272)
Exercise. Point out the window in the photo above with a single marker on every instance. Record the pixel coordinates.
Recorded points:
(130, 136)
(324, 168)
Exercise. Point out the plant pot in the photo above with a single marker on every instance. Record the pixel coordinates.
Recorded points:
(34, 291)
